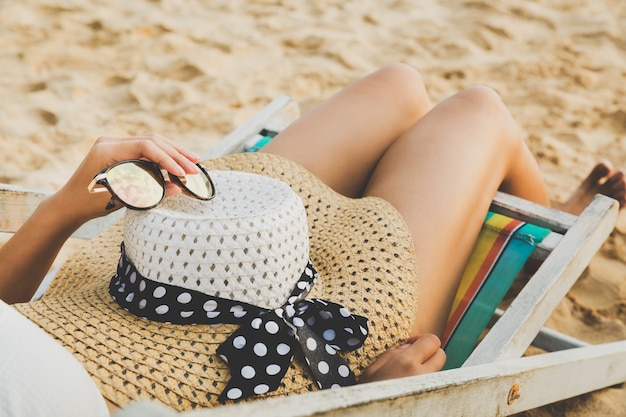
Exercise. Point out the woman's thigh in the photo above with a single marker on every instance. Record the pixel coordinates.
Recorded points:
(342, 139)
(442, 175)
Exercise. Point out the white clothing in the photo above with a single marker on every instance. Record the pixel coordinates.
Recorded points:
(38, 377)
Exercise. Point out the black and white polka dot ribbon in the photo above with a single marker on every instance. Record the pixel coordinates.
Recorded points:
(259, 352)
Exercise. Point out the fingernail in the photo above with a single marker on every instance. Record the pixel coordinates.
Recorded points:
(194, 168)
(192, 155)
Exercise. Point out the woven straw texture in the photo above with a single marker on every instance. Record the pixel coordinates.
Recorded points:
(361, 248)
(250, 243)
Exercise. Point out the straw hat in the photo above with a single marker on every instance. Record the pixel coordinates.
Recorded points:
(361, 249)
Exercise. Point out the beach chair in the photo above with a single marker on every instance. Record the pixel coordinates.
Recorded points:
(492, 378)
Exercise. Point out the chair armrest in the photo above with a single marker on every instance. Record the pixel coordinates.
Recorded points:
(18, 203)
(515, 330)
(276, 116)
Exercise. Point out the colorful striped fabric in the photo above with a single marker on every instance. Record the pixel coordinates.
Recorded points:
(503, 247)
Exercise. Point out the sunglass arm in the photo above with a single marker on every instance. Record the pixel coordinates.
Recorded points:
(94, 187)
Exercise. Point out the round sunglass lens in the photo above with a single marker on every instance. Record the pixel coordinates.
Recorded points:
(199, 185)
(135, 185)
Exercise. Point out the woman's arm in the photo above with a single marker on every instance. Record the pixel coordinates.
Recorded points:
(28, 255)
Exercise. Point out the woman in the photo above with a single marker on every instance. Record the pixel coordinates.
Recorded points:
(439, 166)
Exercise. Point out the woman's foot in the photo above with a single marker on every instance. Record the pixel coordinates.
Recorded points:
(602, 179)
(420, 355)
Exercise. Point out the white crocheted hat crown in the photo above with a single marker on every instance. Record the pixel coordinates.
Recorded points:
(249, 244)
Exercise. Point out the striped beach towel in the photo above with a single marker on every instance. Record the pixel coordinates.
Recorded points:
(503, 247)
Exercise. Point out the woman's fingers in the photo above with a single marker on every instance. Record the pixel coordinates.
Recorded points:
(172, 189)
(430, 354)
(426, 349)
(153, 147)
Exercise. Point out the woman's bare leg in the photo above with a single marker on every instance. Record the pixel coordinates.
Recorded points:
(342, 139)
(442, 175)
(439, 167)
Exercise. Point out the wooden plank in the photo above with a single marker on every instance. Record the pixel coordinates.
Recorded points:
(551, 341)
(276, 116)
(17, 204)
(514, 331)
(547, 339)
(530, 212)
(546, 246)
(494, 389)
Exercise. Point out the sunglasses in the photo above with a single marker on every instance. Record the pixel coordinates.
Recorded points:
(140, 185)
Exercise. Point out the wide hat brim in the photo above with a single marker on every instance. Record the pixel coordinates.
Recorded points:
(361, 248)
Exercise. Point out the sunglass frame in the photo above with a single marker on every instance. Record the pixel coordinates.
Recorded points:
(152, 168)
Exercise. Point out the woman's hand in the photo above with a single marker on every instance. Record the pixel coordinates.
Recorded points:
(419, 355)
(106, 151)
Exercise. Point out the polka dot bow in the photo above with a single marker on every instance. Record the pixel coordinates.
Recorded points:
(259, 352)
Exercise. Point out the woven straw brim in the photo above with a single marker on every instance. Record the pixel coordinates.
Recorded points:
(360, 247)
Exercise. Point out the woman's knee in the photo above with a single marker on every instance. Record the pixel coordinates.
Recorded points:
(407, 86)
(483, 99)
(487, 105)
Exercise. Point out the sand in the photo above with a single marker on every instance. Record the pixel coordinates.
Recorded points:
(194, 70)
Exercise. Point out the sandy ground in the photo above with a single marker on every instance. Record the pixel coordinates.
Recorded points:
(72, 71)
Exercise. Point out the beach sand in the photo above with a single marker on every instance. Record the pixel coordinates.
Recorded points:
(192, 70)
